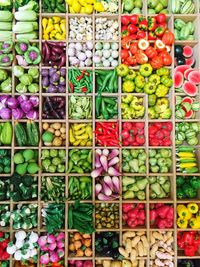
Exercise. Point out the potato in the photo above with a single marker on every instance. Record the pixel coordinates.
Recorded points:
(57, 125)
(57, 133)
(45, 125)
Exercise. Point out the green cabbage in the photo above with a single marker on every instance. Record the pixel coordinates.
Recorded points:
(6, 86)
(3, 75)
(33, 88)
(26, 79)
(34, 73)
(21, 88)
(18, 71)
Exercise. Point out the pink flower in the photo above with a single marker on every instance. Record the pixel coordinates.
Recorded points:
(44, 259)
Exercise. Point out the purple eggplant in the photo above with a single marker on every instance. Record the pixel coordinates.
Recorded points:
(62, 81)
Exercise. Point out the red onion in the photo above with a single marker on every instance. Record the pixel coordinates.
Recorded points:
(22, 98)
(3, 99)
(5, 113)
(32, 115)
(79, 263)
(26, 106)
(34, 101)
(17, 113)
(12, 102)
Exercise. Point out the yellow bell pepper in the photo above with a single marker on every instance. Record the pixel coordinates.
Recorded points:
(76, 7)
(82, 2)
(182, 223)
(194, 223)
(44, 23)
(88, 9)
(53, 34)
(99, 7)
(89, 143)
(183, 212)
(56, 19)
(193, 208)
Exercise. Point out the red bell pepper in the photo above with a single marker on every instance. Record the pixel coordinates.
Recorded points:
(159, 31)
(143, 25)
(190, 250)
(162, 211)
(180, 243)
(188, 238)
(141, 215)
(133, 213)
(170, 214)
(151, 36)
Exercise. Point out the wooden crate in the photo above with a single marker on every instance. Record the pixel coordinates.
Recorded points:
(172, 200)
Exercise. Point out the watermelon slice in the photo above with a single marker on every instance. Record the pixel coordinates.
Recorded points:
(189, 114)
(190, 61)
(181, 68)
(187, 51)
(186, 73)
(188, 99)
(178, 79)
(190, 88)
(194, 77)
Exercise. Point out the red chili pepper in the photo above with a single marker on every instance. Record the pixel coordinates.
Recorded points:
(71, 86)
(84, 89)
(153, 215)
(78, 78)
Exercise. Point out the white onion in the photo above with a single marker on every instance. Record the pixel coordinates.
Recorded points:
(71, 52)
(78, 46)
(106, 63)
(89, 45)
(96, 59)
(114, 63)
(81, 56)
(88, 62)
(72, 45)
(88, 53)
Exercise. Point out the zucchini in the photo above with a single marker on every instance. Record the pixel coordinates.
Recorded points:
(20, 135)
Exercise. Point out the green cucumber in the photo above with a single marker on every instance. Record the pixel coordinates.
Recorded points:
(32, 132)
(20, 135)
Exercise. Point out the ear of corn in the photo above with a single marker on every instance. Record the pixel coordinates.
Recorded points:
(187, 165)
(6, 16)
(26, 15)
(186, 155)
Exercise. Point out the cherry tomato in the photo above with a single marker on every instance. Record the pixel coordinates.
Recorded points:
(124, 53)
(141, 131)
(161, 18)
(167, 142)
(125, 134)
(134, 130)
(125, 20)
(132, 28)
(168, 126)
(158, 125)
(131, 139)
(127, 125)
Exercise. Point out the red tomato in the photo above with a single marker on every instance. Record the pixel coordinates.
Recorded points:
(131, 61)
(131, 139)
(140, 139)
(125, 142)
(154, 142)
(139, 125)
(125, 134)
(157, 62)
(124, 53)
(141, 34)
(141, 131)
(160, 18)
(167, 59)
(126, 41)
(127, 125)
(124, 28)
(168, 126)
(166, 132)
(125, 20)
(151, 52)
(134, 130)
(134, 19)
(132, 28)
(159, 135)
(133, 48)
(168, 38)
(166, 142)
(135, 144)
(141, 58)
(158, 125)
(152, 130)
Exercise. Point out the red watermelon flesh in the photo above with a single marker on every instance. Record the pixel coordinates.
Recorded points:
(188, 99)
(181, 68)
(194, 77)
(190, 88)
(187, 51)
(190, 61)
(187, 72)
(189, 114)
(178, 79)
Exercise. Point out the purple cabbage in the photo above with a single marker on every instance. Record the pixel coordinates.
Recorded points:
(5, 113)
(22, 98)
(3, 99)
(32, 115)
(26, 106)
(17, 113)
(12, 102)
(34, 101)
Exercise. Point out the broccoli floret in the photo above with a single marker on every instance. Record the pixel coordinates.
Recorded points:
(6, 161)
(26, 191)
(27, 180)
